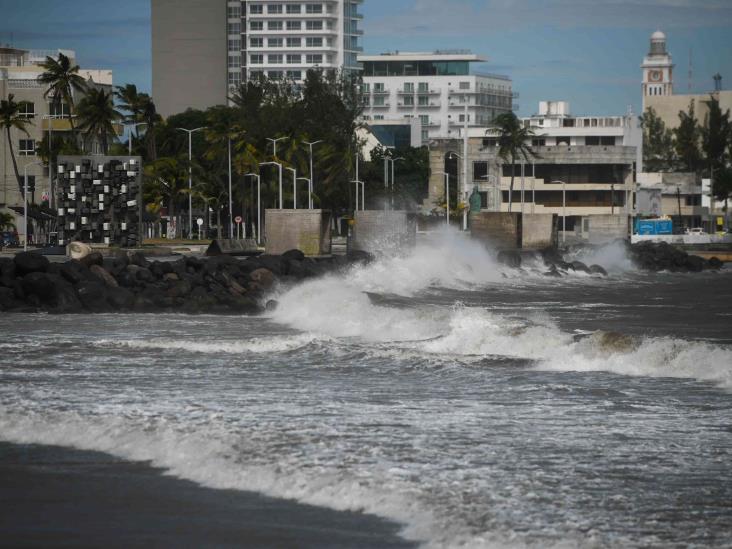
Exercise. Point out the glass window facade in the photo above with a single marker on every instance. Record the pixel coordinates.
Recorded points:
(415, 68)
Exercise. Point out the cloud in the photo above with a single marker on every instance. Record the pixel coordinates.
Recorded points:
(462, 17)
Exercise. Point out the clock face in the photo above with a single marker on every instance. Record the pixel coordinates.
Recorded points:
(655, 76)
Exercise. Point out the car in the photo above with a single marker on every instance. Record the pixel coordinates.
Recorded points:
(9, 239)
(696, 231)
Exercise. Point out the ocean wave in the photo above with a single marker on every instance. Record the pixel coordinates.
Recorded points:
(272, 344)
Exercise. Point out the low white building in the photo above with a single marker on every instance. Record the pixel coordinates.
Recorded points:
(436, 88)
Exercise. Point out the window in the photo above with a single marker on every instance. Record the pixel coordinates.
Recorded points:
(294, 25)
(314, 8)
(234, 12)
(409, 87)
(256, 25)
(538, 142)
(294, 8)
(59, 110)
(275, 59)
(255, 75)
(314, 25)
(276, 75)
(26, 147)
(315, 59)
(234, 62)
(464, 85)
(423, 87)
(234, 78)
(592, 140)
(274, 42)
(480, 171)
(256, 9)
(274, 8)
(365, 88)
(27, 109)
(379, 101)
(378, 117)
(233, 28)
(607, 140)
(423, 101)
(234, 45)
(294, 59)
(365, 100)
(256, 59)
(424, 119)
(379, 87)
(425, 135)
(274, 25)
(294, 75)
(409, 101)
(313, 42)
(294, 42)
(256, 42)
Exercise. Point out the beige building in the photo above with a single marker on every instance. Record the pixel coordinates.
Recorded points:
(657, 88)
(19, 71)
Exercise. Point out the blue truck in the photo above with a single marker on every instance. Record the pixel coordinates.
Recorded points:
(654, 226)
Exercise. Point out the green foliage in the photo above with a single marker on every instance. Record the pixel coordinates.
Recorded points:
(62, 79)
(715, 137)
(513, 142)
(658, 143)
(97, 116)
(722, 183)
(687, 141)
(10, 118)
(7, 221)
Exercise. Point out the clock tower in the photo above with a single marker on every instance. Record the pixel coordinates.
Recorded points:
(657, 69)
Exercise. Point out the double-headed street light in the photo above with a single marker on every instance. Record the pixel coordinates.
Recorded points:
(274, 144)
(190, 177)
(259, 206)
(132, 126)
(280, 168)
(311, 184)
(25, 201)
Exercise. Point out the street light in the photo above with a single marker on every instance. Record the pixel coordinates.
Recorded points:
(362, 191)
(280, 168)
(311, 184)
(294, 187)
(274, 144)
(132, 126)
(564, 210)
(393, 161)
(25, 202)
(190, 177)
(259, 206)
(447, 198)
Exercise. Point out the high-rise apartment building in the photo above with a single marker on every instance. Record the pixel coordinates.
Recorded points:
(202, 49)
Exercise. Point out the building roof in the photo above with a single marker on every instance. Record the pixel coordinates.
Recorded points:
(446, 55)
(658, 35)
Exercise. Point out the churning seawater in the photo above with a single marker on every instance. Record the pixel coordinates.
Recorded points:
(477, 406)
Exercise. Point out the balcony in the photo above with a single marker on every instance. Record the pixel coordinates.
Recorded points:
(381, 92)
(385, 105)
(405, 105)
(430, 105)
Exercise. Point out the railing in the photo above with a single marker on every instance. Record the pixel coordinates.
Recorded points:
(23, 83)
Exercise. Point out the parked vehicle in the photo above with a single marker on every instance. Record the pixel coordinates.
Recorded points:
(696, 231)
(9, 239)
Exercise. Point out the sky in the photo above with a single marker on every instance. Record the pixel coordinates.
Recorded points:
(587, 52)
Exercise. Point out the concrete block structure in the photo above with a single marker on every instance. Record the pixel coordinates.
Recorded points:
(600, 229)
(384, 231)
(538, 231)
(498, 230)
(305, 230)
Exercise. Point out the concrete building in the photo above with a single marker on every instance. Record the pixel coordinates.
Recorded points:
(657, 87)
(202, 49)
(585, 166)
(19, 72)
(437, 88)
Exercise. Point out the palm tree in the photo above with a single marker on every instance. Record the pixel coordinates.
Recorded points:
(97, 115)
(512, 143)
(10, 117)
(6, 221)
(166, 181)
(62, 79)
(149, 115)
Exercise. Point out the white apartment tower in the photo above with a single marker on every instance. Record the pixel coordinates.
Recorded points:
(437, 88)
(285, 38)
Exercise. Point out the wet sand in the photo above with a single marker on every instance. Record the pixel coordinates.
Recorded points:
(60, 497)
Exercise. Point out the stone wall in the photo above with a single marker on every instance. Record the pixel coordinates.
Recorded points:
(499, 230)
(304, 230)
(383, 231)
(538, 231)
(604, 228)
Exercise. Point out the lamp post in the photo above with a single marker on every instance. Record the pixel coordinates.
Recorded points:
(190, 176)
(564, 210)
(311, 184)
(362, 186)
(447, 198)
(393, 161)
(274, 144)
(280, 168)
(294, 187)
(132, 126)
(305, 179)
(465, 176)
(25, 202)
(259, 206)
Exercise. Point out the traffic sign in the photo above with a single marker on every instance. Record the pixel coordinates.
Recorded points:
(238, 219)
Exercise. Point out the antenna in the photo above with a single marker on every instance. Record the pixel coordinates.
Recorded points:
(691, 68)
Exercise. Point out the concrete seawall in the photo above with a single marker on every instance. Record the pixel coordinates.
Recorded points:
(383, 231)
(304, 230)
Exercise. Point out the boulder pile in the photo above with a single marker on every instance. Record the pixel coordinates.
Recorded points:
(223, 285)
(662, 256)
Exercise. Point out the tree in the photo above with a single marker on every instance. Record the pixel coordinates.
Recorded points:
(11, 117)
(152, 120)
(166, 181)
(512, 143)
(715, 136)
(7, 221)
(722, 185)
(97, 116)
(658, 143)
(140, 108)
(62, 79)
(687, 137)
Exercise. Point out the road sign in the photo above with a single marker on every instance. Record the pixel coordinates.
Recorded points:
(238, 219)
(199, 221)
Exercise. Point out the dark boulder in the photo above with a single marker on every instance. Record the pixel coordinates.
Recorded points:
(30, 262)
(93, 295)
(271, 305)
(715, 263)
(695, 263)
(263, 277)
(139, 259)
(597, 269)
(74, 271)
(579, 266)
(7, 299)
(7, 272)
(94, 258)
(121, 299)
(42, 285)
(295, 255)
(102, 274)
(273, 263)
(359, 256)
(179, 289)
